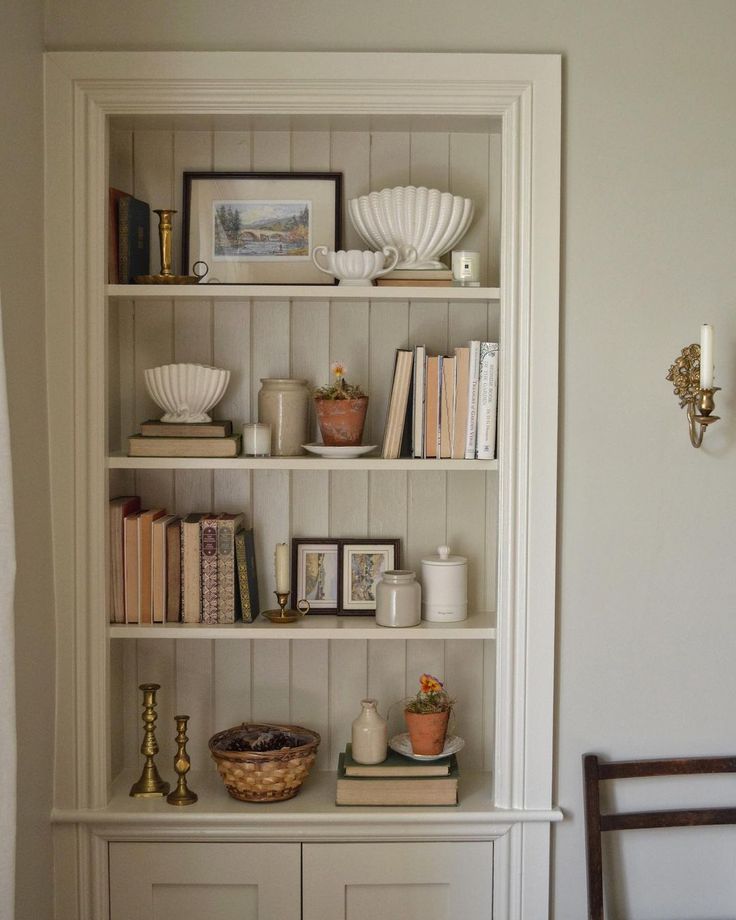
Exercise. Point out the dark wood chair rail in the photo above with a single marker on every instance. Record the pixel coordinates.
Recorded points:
(596, 771)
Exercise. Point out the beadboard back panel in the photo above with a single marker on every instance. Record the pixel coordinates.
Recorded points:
(315, 683)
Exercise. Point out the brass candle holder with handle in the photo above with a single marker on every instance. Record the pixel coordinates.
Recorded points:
(284, 615)
(166, 275)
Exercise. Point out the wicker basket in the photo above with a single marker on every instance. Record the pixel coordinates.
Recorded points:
(264, 776)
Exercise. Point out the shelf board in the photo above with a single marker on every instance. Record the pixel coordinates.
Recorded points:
(119, 461)
(311, 814)
(480, 625)
(297, 292)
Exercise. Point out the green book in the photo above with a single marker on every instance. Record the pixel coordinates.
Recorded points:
(246, 595)
(396, 765)
(396, 790)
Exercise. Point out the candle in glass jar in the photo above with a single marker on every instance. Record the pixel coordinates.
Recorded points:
(282, 568)
(706, 356)
(256, 439)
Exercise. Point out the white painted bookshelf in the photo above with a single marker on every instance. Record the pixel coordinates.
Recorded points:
(137, 121)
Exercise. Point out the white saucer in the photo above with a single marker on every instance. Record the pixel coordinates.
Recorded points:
(345, 453)
(402, 745)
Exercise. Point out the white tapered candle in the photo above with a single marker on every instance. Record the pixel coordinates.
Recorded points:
(282, 568)
(706, 356)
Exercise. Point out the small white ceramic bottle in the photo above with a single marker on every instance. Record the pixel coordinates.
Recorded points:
(370, 735)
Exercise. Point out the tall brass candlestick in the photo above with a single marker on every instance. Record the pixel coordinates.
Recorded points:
(182, 795)
(164, 239)
(150, 785)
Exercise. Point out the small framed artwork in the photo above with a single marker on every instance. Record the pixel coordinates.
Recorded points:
(315, 566)
(362, 562)
(260, 228)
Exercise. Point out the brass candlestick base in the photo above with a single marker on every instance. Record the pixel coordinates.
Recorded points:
(150, 785)
(282, 615)
(182, 795)
(684, 375)
(166, 275)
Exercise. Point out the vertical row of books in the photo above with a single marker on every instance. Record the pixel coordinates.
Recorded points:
(166, 569)
(443, 406)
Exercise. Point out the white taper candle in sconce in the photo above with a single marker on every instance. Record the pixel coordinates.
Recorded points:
(282, 568)
(706, 357)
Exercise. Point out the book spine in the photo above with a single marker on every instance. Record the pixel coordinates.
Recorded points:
(473, 381)
(246, 607)
(419, 374)
(209, 570)
(173, 570)
(191, 587)
(123, 237)
(487, 401)
(226, 571)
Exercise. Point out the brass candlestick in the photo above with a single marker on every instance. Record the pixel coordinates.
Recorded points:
(182, 795)
(150, 785)
(282, 615)
(166, 275)
(684, 375)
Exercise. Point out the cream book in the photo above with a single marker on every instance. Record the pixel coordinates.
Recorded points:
(408, 790)
(140, 446)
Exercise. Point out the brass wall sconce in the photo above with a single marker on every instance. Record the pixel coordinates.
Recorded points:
(692, 378)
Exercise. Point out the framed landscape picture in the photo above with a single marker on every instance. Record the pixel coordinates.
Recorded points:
(315, 574)
(362, 562)
(260, 228)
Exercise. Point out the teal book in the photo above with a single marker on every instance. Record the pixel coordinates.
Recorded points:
(396, 790)
(396, 765)
(134, 238)
(246, 595)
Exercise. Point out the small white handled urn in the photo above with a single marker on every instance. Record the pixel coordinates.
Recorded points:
(356, 266)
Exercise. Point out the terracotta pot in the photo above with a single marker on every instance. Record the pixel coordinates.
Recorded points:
(341, 420)
(427, 731)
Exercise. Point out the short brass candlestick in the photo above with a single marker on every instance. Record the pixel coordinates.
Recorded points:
(150, 785)
(282, 615)
(182, 795)
(684, 375)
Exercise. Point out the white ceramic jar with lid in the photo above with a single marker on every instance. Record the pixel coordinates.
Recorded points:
(444, 587)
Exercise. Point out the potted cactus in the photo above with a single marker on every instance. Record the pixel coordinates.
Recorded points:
(341, 409)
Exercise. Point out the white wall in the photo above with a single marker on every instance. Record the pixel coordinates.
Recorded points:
(21, 283)
(647, 593)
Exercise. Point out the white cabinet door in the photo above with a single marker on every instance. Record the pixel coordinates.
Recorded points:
(387, 881)
(193, 881)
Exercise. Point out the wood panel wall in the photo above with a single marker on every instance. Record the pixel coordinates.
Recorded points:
(316, 683)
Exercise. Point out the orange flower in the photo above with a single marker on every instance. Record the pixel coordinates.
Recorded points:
(430, 684)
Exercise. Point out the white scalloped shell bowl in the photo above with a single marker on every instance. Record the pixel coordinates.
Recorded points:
(422, 223)
(186, 392)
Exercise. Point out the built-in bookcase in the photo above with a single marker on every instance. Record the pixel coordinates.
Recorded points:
(483, 126)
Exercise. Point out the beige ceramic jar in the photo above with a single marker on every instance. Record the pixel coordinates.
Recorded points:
(370, 735)
(283, 403)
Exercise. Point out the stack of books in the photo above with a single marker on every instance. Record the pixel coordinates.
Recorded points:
(397, 781)
(443, 406)
(407, 277)
(165, 569)
(191, 439)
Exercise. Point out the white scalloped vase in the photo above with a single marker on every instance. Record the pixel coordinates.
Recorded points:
(422, 223)
(186, 392)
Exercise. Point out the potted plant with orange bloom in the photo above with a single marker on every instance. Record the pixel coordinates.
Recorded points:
(341, 409)
(427, 715)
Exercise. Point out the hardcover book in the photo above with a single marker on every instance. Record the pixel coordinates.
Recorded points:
(398, 404)
(471, 433)
(159, 560)
(134, 229)
(191, 571)
(406, 790)
(130, 526)
(173, 571)
(487, 401)
(213, 429)
(420, 368)
(119, 509)
(447, 407)
(245, 560)
(227, 607)
(139, 446)
(462, 371)
(208, 530)
(431, 406)
(112, 235)
(396, 765)
(145, 562)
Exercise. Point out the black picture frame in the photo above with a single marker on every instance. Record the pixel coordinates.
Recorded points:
(297, 577)
(363, 608)
(286, 257)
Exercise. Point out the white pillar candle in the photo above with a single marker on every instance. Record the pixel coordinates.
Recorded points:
(257, 439)
(282, 568)
(706, 356)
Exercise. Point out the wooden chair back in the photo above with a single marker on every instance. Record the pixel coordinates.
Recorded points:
(596, 771)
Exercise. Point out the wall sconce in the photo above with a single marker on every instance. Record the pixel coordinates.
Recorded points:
(692, 378)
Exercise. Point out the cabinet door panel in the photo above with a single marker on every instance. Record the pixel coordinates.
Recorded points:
(414, 881)
(219, 881)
